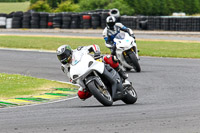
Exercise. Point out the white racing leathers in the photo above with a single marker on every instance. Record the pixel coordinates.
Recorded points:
(77, 54)
(109, 34)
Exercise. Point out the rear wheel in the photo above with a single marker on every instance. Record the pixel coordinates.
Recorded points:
(131, 95)
(101, 94)
(134, 62)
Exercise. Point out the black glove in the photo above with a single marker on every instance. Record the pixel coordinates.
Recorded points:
(133, 36)
(113, 50)
(63, 69)
(98, 53)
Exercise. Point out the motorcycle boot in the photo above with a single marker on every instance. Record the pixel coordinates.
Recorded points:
(118, 69)
(83, 94)
(121, 73)
(114, 63)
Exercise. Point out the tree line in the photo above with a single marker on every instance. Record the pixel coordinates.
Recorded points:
(126, 7)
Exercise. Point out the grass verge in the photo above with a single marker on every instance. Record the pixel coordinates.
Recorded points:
(14, 85)
(147, 47)
(8, 7)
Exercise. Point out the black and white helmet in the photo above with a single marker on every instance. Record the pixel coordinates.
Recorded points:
(64, 54)
(110, 21)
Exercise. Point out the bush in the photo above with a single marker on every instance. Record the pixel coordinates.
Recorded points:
(54, 3)
(67, 6)
(33, 1)
(88, 5)
(40, 6)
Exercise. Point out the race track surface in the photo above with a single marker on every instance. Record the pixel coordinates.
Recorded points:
(168, 99)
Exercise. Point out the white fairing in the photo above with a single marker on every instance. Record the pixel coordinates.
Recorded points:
(81, 68)
(124, 42)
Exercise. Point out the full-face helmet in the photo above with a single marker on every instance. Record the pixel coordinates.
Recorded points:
(110, 22)
(64, 54)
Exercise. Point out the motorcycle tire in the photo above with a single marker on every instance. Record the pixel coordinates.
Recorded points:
(130, 96)
(134, 62)
(103, 97)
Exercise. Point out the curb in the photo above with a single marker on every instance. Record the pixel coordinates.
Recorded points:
(56, 94)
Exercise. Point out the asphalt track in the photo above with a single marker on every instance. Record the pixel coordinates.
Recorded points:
(168, 99)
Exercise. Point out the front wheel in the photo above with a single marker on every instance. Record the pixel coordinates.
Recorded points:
(134, 62)
(101, 94)
(130, 95)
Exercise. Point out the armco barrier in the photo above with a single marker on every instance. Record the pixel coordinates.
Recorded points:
(96, 19)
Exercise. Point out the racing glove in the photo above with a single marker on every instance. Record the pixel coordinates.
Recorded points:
(63, 69)
(133, 37)
(113, 49)
(97, 54)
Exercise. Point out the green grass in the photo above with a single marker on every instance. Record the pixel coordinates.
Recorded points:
(147, 48)
(14, 85)
(169, 49)
(48, 43)
(14, 6)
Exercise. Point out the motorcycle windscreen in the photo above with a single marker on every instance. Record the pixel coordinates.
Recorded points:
(120, 36)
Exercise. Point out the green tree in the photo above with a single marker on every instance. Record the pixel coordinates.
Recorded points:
(170, 6)
(179, 5)
(40, 6)
(146, 6)
(136, 5)
(122, 6)
(88, 5)
(155, 7)
(67, 6)
(164, 8)
(33, 1)
(54, 3)
(193, 7)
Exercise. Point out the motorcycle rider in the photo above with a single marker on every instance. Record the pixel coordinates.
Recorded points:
(111, 30)
(68, 57)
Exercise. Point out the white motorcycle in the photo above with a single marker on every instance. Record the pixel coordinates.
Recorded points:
(127, 52)
(102, 81)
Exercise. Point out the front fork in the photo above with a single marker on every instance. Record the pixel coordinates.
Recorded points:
(99, 81)
(133, 50)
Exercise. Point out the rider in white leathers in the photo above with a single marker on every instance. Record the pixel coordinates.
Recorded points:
(68, 57)
(111, 30)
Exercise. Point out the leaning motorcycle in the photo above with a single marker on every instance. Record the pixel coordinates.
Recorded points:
(127, 52)
(102, 81)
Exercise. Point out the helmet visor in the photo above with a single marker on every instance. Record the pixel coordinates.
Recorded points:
(111, 24)
(64, 58)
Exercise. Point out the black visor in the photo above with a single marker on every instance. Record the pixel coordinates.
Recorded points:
(62, 56)
(111, 24)
(65, 57)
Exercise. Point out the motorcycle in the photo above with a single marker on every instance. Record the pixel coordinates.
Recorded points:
(102, 81)
(127, 52)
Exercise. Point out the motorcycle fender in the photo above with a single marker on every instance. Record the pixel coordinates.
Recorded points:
(81, 83)
(122, 60)
(97, 79)
(126, 82)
